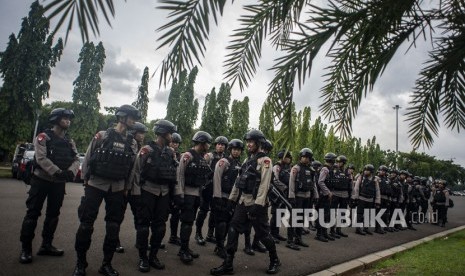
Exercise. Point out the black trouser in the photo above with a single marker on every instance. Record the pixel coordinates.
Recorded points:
(205, 204)
(296, 232)
(412, 207)
(385, 204)
(273, 228)
(442, 214)
(424, 208)
(222, 220)
(338, 203)
(88, 211)
(323, 204)
(362, 206)
(239, 224)
(187, 217)
(131, 200)
(152, 212)
(39, 191)
(174, 219)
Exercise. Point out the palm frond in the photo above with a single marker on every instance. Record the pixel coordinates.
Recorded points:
(185, 33)
(86, 12)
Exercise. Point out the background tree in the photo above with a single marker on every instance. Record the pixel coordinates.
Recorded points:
(182, 108)
(266, 121)
(239, 120)
(318, 139)
(215, 112)
(142, 101)
(87, 88)
(303, 135)
(208, 114)
(25, 67)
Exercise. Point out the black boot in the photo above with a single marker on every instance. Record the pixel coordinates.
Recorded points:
(279, 237)
(339, 232)
(119, 248)
(291, 245)
(367, 231)
(333, 234)
(175, 240)
(49, 250)
(210, 237)
(154, 261)
(299, 242)
(199, 238)
(360, 231)
(379, 230)
(107, 270)
(274, 264)
(220, 252)
(258, 246)
(325, 234)
(248, 247)
(144, 265)
(26, 255)
(226, 268)
(80, 269)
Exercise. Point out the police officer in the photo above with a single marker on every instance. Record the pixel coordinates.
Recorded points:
(156, 166)
(301, 183)
(386, 194)
(426, 194)
(342, 189)
(226, 172)
(281, 175)
(367, 195)
(396, 196)
(138, 131)
(253, 182)
(106, 169)
(441, 202)
(56, 162)
(212, 158)
(411, 206)
(325, 186)
(192, 175)
(174, 211)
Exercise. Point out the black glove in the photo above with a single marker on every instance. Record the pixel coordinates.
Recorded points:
(292, 201)
(178, 201)
(69, 176)
(255, 211)
(61, 175)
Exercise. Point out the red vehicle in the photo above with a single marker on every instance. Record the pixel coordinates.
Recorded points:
(78, 177)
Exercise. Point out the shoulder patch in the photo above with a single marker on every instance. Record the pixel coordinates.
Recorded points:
(266, 163)
(221, 163)
(41, 137)
(186, 157)
(144, 150)
(294, 171)
(98, 136)
(277, 168)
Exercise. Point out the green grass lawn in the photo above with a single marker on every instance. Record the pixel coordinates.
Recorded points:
(444, 256)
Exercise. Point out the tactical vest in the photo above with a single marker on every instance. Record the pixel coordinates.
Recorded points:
(427, 192)
(284, 173)
(336, 180)
(160, 167)
(215, 159)
(197, 171)
(385, 187)
(250, 178)
(113, 158)
(396, 189)
(439, 196)
(229, 176)
(304, 181)
(405, 190)
(368, 188)
(59, 151)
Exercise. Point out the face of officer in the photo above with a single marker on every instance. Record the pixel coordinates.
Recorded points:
(219, 148)
(129, 121)
(174, 145)
(382, 173)
(305, 160)
(367, 172)
(287, 160)
(402, 177)
(202, 147)
(64, 122)
(139, 137)
(252, 146)
(236, 152)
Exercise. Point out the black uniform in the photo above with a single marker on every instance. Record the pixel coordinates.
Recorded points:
(281, 175)
(106, 168)
(55, 163)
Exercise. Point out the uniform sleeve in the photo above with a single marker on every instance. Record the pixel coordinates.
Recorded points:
(280, 185)
(315, 189)
(321, 181)
(295, 170)
(355, 192)
(40, 146)
(139, 164)
(128, 184)
(220, 168)
(208, 158)
(378, 192)
(186, 158)
(446, 193)
(75, 165)
(265, 171)
(90, 149)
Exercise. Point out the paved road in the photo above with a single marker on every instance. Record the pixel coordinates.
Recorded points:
(315, 258)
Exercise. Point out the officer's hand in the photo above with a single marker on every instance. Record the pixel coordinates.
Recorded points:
(61, 175)
(330, 195)
(178, 201)
(231, 206)
(292, 202)
(255, 211)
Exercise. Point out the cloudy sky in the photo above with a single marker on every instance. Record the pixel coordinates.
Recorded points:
(130, 46)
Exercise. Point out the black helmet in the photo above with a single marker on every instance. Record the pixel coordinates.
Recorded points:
(330, 157)
(369, 167)
(255, 135)
(306, 152)
(235, 144)
(281, 154)
(221, 140)
(164, 126)
(268, 146)
(128, 110)
(424, 180)
(394, 171)
(176, 138)
(202, 137)
(58, 113)
(383, 168)
(404, 172)
(139, 127)
(341, 158)
(351, 166)
(316, 163)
